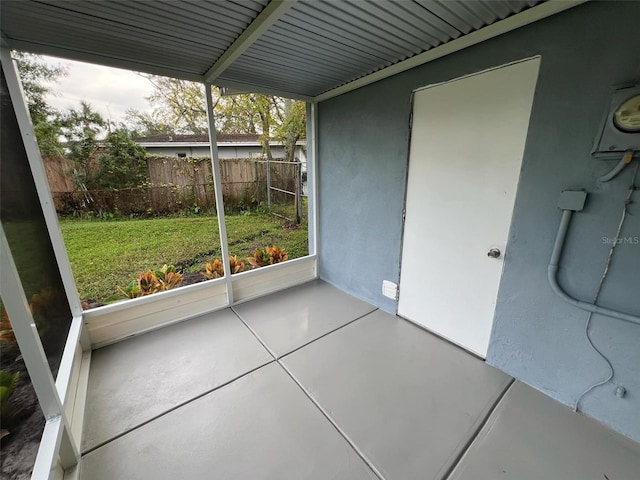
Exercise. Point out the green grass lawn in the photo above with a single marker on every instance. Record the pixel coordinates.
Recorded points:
(105, 254)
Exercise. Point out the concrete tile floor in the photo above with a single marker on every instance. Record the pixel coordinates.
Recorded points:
(531, 437)
(288, 320)
(366, 396)
(408, 400)
(260, 426)
(138, 379)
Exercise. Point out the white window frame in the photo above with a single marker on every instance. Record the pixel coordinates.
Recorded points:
(60, 443)
(112, 323)
(63, 400)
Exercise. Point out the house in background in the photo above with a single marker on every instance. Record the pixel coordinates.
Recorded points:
(229, 146)
(475, 171)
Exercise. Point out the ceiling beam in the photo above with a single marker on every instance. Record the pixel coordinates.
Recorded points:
(234, 88)
(253, 32)
(521, 19)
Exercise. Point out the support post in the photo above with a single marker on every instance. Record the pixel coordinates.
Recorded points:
(312, 175)
(217, 182)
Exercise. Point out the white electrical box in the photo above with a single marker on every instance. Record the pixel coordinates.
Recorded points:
(620, 130)
(389, 289)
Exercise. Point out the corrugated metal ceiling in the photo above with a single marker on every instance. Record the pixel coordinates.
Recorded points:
(313, 47)
(174, 35)
(317, 45)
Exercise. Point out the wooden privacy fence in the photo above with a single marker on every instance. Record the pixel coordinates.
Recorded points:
(175, 185)
(238, 176)
(135, 201)
(58, 170)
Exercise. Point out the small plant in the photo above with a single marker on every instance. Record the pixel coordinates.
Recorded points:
(130, 291)
(235, 265)
(215, 269)
(168, 277)
(268, 256)
(6, 330)
(42, 305)
(260, 258)
(148, 283)
(277, 255)
(8, 384)
(152, 281)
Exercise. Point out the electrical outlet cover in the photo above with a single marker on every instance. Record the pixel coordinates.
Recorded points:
(390, 289)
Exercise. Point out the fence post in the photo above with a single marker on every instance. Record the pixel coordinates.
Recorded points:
(255, 167)
(298, 197)
(268, 185)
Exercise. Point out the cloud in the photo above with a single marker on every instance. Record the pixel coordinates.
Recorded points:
(111, 91)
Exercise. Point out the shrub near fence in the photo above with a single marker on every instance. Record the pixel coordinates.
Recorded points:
(180, 185)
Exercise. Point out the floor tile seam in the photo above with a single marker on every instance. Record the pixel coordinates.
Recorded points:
(255, 334)
(333, 423)
(328, 333)
(176, 407)
(276, 357)
(309, 397)
(476, 433)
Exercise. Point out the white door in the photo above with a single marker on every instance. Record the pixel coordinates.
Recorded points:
(467, 143)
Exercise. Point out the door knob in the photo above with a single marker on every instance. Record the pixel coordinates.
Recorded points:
(494, 253)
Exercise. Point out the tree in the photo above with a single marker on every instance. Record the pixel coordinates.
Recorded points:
(81, 129)
(36, 75)
(122, 162)
(248, 113)
(236, 114)
(144, 124)
(264, 109)
(291, 127)
(180, 108)
(179, 103)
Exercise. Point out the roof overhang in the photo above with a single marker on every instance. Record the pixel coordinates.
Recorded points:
(307, 49)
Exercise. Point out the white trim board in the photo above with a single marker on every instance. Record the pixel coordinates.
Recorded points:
(273, 278)
(112, 323)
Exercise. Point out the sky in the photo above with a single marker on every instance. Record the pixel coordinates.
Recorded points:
(110, 91)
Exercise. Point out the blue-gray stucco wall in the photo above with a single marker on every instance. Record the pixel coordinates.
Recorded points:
(363, 149)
